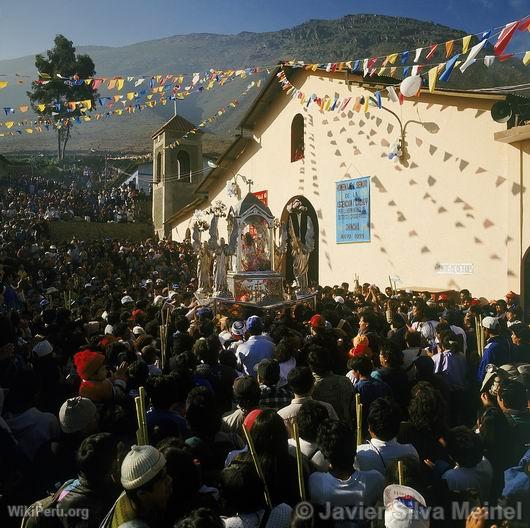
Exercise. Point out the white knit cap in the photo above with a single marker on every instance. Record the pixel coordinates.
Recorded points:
(140, 466)
(76, 413)
(43, 348)
(138, 330)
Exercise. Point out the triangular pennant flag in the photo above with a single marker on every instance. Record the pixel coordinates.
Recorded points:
(130, 96)
(449, 48)
(119, 84)
(475, 50)
(465, 43)
(23, 108)
(449, 65)
(392, 58)
(97, 83)
(392, 95)
(505, 37)
(357, 104)
(29, 130)
(432, 51)
(377, 96)
(41, 107)
(112, 84)
(489, 60)
(407, 70)
(418, 54)
(138, 82)
(3, 84)
(9, 124)
(404, 57)
(366, 104)
(524, 24)
(433, 74)
(526, 58)
(393, 71)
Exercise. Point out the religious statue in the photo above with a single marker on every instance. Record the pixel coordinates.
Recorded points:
(301, 253)
(280, 250)
(221, 252)
(204, 262)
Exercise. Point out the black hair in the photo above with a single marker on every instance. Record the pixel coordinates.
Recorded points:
(337, 443)
(96, 456)
(384, 418)
(246, 392)
(362, 364)
(181, 466)
(138, 372)
(392, 354)
(301, 380)
(182, 323)
(413, 338)
(370, 318)
(202, 414)
(464, 446)
(162, 391)
(207, 350)
(121, 329)
(309, 418)
(228, 358)
(319, 360)
(201, 518)
(269, 434)
(283, 350)
(521, 331)
(427, 408)
(513, 394)
(241, 489)
(269, 372)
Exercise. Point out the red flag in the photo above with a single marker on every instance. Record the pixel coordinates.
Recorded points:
(505, 37)
(432, 51)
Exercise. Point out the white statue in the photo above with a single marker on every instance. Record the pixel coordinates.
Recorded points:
(204, 262)
(220, 267)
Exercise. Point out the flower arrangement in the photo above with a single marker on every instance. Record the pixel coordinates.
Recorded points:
(218, 209)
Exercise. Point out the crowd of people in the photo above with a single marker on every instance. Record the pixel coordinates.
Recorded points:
(252, 417)
(37, 199)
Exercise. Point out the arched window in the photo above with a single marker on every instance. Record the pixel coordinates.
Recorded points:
(184, 165)
(297, 138)
(158, 174)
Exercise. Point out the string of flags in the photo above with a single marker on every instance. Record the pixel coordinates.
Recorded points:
(47, 125)
(232, 104)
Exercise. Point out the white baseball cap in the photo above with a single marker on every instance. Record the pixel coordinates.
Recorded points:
(404, 508)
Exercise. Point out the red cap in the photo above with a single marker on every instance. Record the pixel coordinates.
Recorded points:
(443, 297)
(474, 301)
(317, 321)
(251, 418)
(87, 363)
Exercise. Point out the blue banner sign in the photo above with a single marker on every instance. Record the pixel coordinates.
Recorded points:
(353, 210)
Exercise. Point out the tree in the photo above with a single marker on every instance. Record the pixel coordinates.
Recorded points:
(61, 81)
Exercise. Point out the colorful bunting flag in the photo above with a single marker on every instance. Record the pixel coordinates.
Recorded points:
(505, 37)
(465, 43)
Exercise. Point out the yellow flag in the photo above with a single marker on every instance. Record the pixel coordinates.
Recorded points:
(130, 96)
(3, 84)
(41, 107)
(366, 104)
(112, 84)
(393, 71)
(29, 130)
(381, 72)
(23, 108)
(117, 98)
(433, 75)
(449, 48)
(465, 43)
(9, 124)
(119, 84)
(526, 58)
(314, 67)
(392, 58)
(88, 81)
(87, 103)
(87, 118)
(119, 111)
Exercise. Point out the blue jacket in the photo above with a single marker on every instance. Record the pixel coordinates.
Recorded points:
(497, 351)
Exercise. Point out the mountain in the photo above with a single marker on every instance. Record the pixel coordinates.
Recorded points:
(350, 37)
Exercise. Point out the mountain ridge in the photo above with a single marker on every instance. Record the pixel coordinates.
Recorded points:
(349, 37)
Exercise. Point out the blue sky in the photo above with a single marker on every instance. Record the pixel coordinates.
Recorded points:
(29, 26)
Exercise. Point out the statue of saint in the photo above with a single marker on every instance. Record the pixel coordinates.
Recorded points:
(204, 267)
(301, 253)
(220, 267)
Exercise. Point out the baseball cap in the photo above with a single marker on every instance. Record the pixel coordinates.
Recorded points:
(338, 299)
(126, 299)
(404, 508)
(491, 323)
(238, 328)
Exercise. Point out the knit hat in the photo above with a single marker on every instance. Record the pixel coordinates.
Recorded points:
(138, 330)
(491, 323)
(75, 414)
(251, 418)
(43, 348)
(254, 324)
(87, 363)
(317, 321)
(127, 299)
(140, 466)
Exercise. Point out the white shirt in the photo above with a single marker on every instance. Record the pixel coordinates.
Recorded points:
(316, 458)
(427, 329)
(363, 487)
(477, 478)
(378, 454)
(290, 412)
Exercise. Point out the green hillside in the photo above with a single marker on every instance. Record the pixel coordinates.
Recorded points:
(350, 37)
